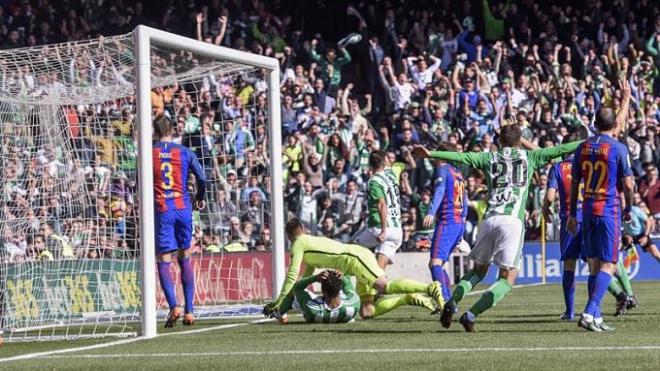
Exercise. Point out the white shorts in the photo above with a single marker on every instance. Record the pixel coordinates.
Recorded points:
(499, 240)
(393, 240)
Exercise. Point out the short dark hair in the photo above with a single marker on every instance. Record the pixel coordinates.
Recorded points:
(376, 159)
(162, 126)
(447, 147)
(606, 119)
(510, 135)
(332, 285)
(293, 225)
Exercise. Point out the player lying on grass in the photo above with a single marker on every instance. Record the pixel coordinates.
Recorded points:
(500, 238)
(338, 302)
(173, 223)
(352, 260)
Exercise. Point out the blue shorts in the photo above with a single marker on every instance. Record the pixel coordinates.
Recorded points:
(173, 230)
(445, 239)
(571, 245)
(601, 237)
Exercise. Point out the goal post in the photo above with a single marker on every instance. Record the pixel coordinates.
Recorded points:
(144, 38)
(77, 234)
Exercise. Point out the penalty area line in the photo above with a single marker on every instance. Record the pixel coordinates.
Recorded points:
(351, 351)
(126, 341)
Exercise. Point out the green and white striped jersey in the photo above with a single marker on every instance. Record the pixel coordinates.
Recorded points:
(384, 184)
(315, 309)
(508, 173)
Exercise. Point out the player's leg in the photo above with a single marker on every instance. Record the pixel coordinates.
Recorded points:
(571, 246)
(605, 235)
(495, 293)
(509, 237)
(445, 240)
(166, 244)
(390, 303)
(481, 255)
(649, 247)
(183, 233)
(568, 287)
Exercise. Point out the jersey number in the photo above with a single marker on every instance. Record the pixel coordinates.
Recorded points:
(506, 174)
(599, 167)
(458, 201)
(166, 170)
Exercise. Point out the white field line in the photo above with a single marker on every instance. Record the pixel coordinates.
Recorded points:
(125, 341)
(351, 351)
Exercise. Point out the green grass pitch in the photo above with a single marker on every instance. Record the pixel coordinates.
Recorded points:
(523, 332)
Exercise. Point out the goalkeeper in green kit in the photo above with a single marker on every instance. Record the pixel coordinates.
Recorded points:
(352, 260)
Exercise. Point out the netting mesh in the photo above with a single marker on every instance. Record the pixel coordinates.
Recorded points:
(69, 226)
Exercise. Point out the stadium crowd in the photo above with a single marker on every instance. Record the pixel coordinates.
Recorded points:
(406, 73)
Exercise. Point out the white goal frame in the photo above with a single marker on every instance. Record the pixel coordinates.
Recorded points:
(144, 37)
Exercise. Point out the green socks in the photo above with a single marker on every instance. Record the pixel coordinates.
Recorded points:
(388, 304)
(465, 285)
(405, 286)
(614, 288)
(491, 297)
(624, 280)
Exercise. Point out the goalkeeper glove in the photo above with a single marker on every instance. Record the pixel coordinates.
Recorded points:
(270, 308)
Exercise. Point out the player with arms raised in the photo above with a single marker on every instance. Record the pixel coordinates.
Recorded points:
(448, 210)
(603, 163)
(173, 222)
(500, 238)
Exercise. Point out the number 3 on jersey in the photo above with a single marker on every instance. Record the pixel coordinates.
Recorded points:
(168, 177)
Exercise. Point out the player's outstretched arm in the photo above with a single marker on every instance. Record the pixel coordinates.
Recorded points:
(473, 159)
(543, 155)
(294, 270)
(200, 176)
(438, 195)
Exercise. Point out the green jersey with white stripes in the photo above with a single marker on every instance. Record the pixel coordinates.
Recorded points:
(315, 309)
(508, 173)
(384, 185)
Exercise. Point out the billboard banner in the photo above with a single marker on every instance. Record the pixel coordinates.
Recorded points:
(52, 292)
(646, 268)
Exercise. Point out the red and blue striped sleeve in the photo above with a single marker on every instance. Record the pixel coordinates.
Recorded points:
(439, 192)
(196, 169)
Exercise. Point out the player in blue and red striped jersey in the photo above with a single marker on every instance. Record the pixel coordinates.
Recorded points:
(559, 181)
(602, 162)
(172, 164)
(448, 209)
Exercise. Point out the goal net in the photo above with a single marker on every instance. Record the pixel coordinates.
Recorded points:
(76, 215)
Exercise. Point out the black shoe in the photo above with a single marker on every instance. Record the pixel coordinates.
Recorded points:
(632, 302)
(621, 304)
(467, 324)
(447, 313)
